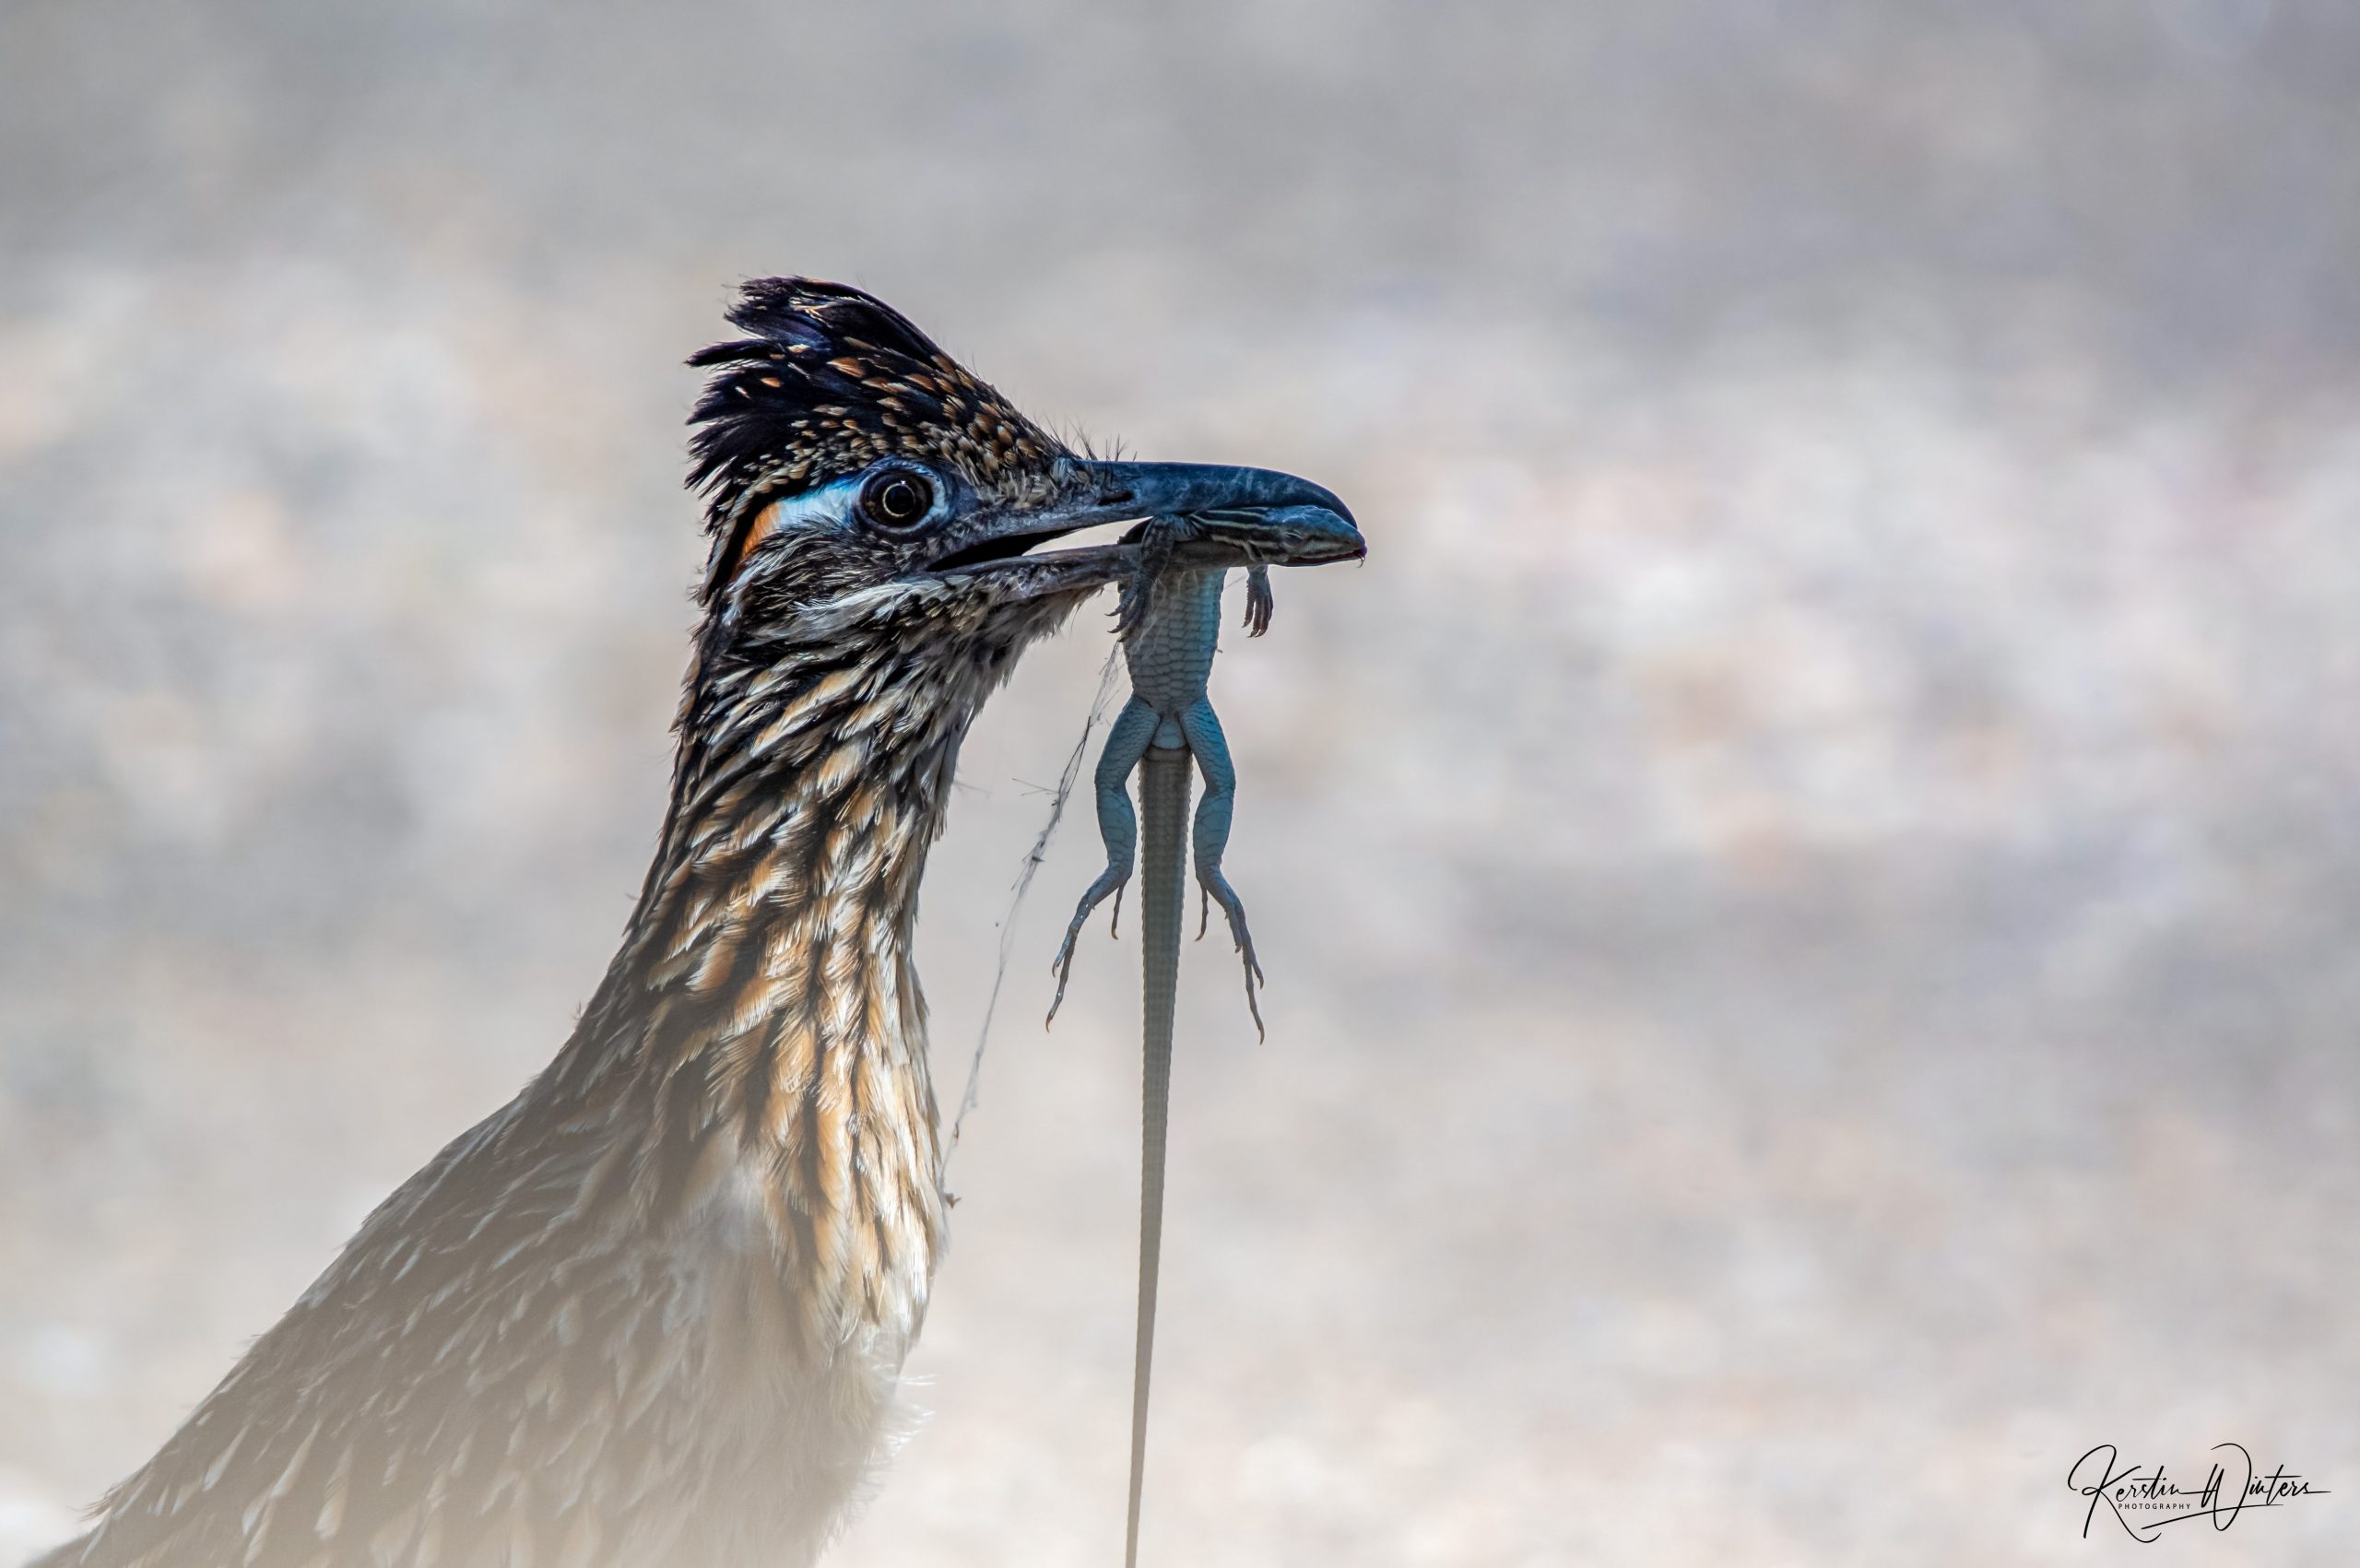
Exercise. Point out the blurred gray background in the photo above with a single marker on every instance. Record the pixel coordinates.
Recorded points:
(1809, 883)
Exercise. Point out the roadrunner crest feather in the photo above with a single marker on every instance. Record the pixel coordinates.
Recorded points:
(653, 1310)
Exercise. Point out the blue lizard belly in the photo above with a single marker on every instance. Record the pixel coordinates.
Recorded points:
(1172, 656)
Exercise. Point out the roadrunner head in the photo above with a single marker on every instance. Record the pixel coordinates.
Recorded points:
(862, 485)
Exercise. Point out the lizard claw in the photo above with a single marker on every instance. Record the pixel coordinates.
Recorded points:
(1155, 553)
(1063, 969)
(1062, 965)
(1259, 604)
(1130, 610)
(1253, 1002)
(1216, 886)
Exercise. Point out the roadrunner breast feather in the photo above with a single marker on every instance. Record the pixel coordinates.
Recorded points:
(653, 1311)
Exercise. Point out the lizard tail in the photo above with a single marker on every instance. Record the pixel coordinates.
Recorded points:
(1164, 792)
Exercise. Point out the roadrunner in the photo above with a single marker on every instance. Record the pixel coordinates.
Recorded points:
(653, 1311)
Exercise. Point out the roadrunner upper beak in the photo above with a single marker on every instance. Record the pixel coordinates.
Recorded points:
(1183, 490)
(1241, 517)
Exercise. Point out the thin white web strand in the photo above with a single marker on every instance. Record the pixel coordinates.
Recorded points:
(1024, 874)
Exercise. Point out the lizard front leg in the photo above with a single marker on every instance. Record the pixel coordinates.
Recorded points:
(1209, 837)
(1259, 601)
(1118, 825)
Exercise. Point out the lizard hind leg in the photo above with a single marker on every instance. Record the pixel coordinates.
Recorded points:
(1209, 839)
(1118, 828)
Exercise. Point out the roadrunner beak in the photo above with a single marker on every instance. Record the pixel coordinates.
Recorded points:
(1238, 517)
(1184, 489)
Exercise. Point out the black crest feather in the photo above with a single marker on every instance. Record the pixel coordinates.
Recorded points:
(830, 380)
(794, 368)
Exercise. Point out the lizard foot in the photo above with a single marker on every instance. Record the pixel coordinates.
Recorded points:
(1063, 965)
(1155, 553)
(1259, 603)
(1216, 886)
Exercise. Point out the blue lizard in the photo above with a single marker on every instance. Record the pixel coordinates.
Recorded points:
(1170, 622)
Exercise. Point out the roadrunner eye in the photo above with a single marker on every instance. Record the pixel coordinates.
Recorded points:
(897, 499)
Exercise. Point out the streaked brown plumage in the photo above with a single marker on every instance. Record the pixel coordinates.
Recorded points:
(653, 1311)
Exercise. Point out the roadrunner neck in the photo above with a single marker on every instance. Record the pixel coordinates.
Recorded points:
(762, 1021)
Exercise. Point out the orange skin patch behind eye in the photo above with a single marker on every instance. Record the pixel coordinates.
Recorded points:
(758, 528)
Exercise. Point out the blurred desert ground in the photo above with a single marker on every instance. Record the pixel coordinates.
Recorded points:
(1810, 882)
